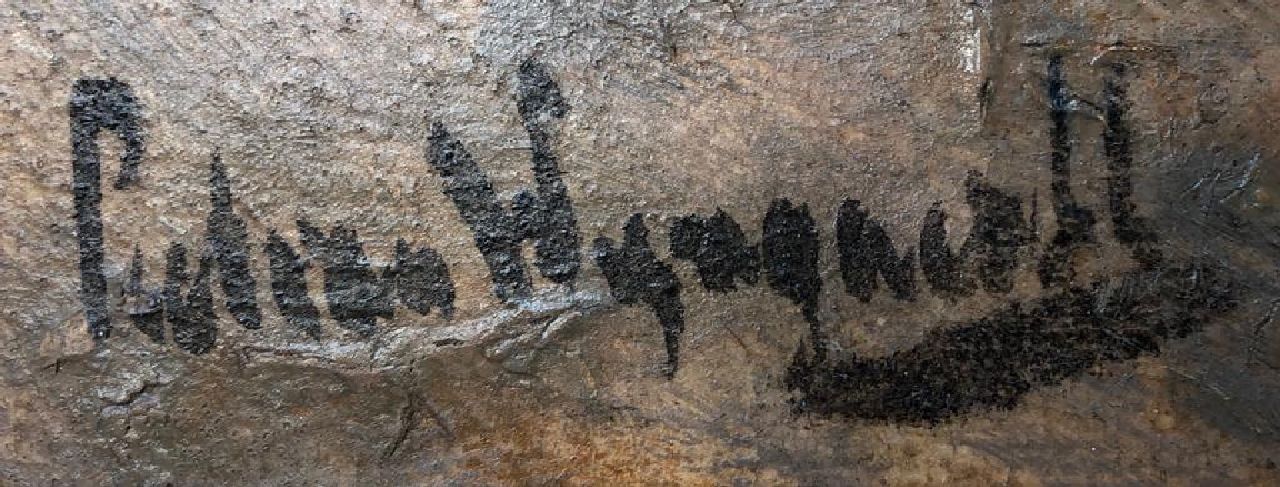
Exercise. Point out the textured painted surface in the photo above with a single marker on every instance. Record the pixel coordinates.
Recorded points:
(737, 242)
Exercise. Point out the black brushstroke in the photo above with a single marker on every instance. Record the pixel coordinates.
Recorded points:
(357, 295)
(176, 279)
(992, 362)
(193, 321)
(548, 214)
(95, 105)
(635, 276)
(143, 306)
(718, 248)
(790, 249)
(545, 215)
(494, 228)
(1129, 229)
(802, 370)
(998, 234)
(947, 272)
(289, 286)
(867, 251)
(1075, 222)
(228, 241)
(421, 279)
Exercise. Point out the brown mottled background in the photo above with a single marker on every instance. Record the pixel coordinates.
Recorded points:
(320, 110)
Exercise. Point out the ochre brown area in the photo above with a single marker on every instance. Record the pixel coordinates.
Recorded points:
(321, 112)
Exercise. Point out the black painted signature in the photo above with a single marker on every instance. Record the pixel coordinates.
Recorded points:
(987, 362)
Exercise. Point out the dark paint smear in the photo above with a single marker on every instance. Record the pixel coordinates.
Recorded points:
(421, 279)
(95, 105)
(1075, 222)
(998, 234)
(990, 252)
(718, 248)
(790, 250)
(175, 280)
(145, 308)
(994, 361)
(227, 237)
(946, 272)
(357, 296)
(549, 215)
(636, 276)
(289, 286)
(867, 251)
(1128, 228)
(448, 342)
(477, 202)
(546, 216)
(193, 321)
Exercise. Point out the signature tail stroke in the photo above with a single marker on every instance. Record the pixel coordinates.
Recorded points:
(994, 361)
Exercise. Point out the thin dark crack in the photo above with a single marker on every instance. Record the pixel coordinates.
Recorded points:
(134, 395)
(56, 366)
(408, 420)
(1257, 335)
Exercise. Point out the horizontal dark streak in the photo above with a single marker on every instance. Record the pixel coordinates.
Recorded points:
(993, 361)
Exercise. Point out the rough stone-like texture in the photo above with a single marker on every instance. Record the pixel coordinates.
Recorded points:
(1021, 242)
